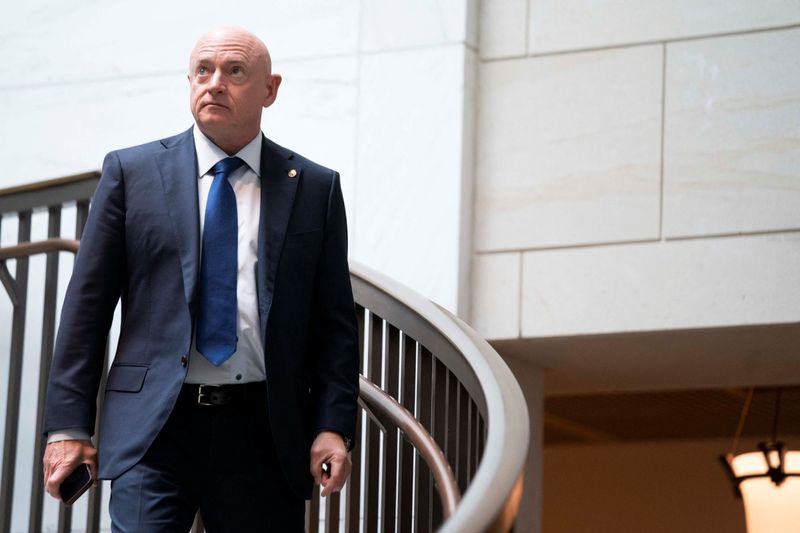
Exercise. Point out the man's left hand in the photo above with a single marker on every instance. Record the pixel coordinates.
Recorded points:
(328, 448)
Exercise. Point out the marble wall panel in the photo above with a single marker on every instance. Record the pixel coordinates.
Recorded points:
(569, 149)
(408, 189)
(315, 114)
(732, 134)
(414, 23)
(664, 285)
(558, 25)
(496, 295)
(503, 28)
(63, 130)
(68, 129)
(88, 40)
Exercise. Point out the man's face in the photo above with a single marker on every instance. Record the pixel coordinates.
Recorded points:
(230, 84)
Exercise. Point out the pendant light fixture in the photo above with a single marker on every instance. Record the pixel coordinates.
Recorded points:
(767, 480)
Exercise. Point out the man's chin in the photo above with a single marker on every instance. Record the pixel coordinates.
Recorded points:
(212, 121)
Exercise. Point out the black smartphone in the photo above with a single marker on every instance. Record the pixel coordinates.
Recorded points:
(76, 484)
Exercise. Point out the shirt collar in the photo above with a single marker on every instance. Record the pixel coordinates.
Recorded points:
(209, 154)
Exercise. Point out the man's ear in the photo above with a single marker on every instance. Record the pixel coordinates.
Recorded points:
(273, 83)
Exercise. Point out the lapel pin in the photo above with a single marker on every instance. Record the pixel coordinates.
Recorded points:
(292, 173)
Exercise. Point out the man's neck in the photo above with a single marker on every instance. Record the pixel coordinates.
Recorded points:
(230, 146)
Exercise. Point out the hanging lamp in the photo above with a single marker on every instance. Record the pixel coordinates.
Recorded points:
(767, 480)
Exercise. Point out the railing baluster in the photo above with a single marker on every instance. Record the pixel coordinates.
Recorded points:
(95, 496)
(406, 460)
(312, 511)
(45, 356)
(478, 431)
(14, 376)
(469, 438)
(332, 513)
(392, 363)
(352, 516)
(373, 495)
(452, 421)
(481, 435)
(424, 481)
(81, 214)
(462, 474)
(440, 400)
(64, 519)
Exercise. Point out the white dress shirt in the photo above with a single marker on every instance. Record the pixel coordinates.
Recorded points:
(247, 362)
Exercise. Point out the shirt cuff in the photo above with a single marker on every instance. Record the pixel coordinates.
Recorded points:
(68, 434)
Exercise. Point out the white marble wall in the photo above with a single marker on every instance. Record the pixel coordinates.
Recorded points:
(536, 27)
(661, 285)
(569, 135)
(732, 135)
(637, 170)
(409, 167)
(376, 90)
(609, 134)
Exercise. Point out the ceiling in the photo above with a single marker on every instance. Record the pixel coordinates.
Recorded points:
(669, 360)
(683, 414)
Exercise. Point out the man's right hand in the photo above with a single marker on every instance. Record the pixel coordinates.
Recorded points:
(64, 456)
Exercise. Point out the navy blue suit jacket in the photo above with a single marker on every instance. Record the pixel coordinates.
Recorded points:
(141, 243)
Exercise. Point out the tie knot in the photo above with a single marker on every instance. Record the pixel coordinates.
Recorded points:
(226, 166)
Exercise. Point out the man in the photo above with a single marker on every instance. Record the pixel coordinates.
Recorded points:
(235, 378)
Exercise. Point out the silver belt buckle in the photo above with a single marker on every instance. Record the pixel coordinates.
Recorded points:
(200, 395)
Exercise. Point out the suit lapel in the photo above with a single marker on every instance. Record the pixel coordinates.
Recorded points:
(277, 199)
(178, 167)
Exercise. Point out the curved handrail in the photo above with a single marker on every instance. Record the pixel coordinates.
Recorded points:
(24, 249)
(49, 184)
(378, 403)
(382, 404)
(78, 188)
(492, 497)
(491, 500)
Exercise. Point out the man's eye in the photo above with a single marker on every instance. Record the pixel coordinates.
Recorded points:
(236, 71)
(202, 71)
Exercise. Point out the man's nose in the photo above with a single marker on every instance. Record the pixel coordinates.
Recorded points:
(217, 83)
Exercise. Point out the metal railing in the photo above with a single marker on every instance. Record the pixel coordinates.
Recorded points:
(441, 438)
(19, 204)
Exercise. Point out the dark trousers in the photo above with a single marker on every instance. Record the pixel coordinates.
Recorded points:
(218, 459)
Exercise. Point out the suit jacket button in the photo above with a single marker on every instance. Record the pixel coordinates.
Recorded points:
(184, 360)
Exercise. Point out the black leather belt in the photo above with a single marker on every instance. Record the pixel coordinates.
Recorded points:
(223, 395)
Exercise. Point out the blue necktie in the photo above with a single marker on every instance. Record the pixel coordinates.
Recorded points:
(216, 318)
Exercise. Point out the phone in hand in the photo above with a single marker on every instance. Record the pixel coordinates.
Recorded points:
(76, 484)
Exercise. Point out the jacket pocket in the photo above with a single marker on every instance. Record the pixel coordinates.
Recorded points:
(126, 378)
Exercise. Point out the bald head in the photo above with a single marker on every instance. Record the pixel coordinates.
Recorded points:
(231, 34)
(230, 74)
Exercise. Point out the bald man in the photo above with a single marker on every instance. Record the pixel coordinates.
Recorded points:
(234, 384)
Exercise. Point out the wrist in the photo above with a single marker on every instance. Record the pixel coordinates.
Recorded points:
(348, 442)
